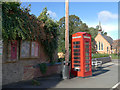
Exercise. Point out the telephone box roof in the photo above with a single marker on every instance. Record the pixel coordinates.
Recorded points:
(82, 33)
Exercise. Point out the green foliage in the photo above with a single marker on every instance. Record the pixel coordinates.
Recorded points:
(61, 59)
(115, 56)
(98, 55)
(75, 25)
(19, 24)
(93, 32)
(50, 30)
(43, 68)
(35, 82)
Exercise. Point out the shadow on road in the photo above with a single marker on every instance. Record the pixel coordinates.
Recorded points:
(44, 83)
(99, 72)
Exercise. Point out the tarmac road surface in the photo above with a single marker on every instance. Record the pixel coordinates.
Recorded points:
(106, 78)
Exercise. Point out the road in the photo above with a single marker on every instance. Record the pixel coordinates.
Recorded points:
(105, 79)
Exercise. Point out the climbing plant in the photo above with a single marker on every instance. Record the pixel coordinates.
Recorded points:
(43, 68)
(50, 30)
(17, 23)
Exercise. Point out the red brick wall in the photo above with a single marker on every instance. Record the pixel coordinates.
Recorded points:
(30, 72)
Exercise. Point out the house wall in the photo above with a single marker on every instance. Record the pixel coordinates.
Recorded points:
(98, 39)
(24, 69)
(116, 46)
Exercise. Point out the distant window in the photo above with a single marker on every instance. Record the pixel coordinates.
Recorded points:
(107, 49)
(99, 45)
(111, 47)
(96, 47)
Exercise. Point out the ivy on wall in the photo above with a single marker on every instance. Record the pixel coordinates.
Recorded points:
(18, 24)
(50, 30)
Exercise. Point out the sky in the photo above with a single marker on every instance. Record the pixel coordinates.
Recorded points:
(89, 12)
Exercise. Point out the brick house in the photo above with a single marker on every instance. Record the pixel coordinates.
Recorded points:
(21, 59)
(116, 46)
(103, 42)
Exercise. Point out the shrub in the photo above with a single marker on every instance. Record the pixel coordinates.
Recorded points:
(98, 55)
(43, 68)
(115, 56)
(61, 59)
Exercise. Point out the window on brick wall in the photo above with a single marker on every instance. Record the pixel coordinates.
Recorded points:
(29, 49)
(25, 49)
(34, 49)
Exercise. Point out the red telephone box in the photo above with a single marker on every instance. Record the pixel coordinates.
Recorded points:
(81, 65)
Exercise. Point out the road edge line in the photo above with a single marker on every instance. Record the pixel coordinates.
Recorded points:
(116, 85)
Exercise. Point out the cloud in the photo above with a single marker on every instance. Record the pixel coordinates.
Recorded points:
(52, 14)
(109, 28)
(106, 16)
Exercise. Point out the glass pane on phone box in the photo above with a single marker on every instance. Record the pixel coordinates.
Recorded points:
(77, 42)
(87, 65)
(76, 57)
(76, 53)
(87, 69)
(87, 61)
(87, 46)
(76, 50)
(87, 54)
(87, 57)
(87, 50)
(77, 46)
(76, 61)
(86, 42)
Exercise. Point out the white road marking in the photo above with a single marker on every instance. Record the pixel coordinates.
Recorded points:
(116, 85)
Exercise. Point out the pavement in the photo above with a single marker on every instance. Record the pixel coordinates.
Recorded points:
(107, 77)
(0, 72)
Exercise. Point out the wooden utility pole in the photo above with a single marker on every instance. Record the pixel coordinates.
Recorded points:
(67, 31)
(65, 70)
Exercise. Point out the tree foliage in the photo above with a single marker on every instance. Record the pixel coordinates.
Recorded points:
(75, 25)
(50, 30)
(18, 23)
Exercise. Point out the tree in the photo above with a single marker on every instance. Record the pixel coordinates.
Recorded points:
(17, 22)
(75, 25)
(93, 32)
(50, 30)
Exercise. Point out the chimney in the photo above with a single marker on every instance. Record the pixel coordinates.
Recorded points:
(100, 28)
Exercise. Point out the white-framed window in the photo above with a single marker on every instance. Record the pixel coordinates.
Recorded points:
(34, 49)
(107, 49)
(29, 49)
(25, 49)
(101, 46)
